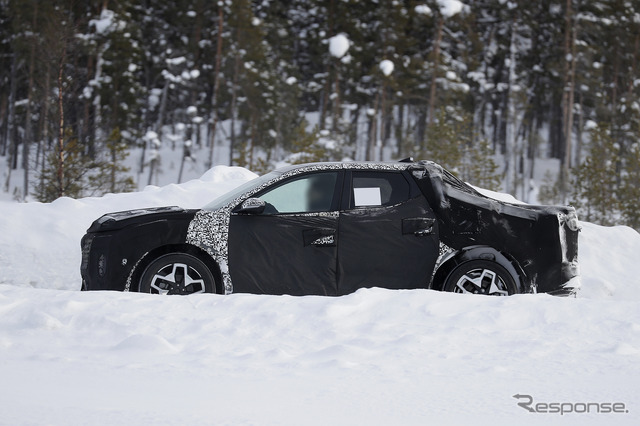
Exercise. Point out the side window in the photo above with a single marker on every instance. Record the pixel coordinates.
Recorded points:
(378, 189)
(307, 194)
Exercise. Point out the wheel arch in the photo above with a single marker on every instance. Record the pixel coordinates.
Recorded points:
(480, 253)
(197, 252)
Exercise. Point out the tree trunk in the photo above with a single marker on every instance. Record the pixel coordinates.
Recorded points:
(3, 123)
(373, 132)
(533, 152)
(567, 98)
(634, 65)
(88, 134)
(44, 132)
(60, 171)
(353, 133)
(252, 142)
(10, 132)
(28, 122)
(163, 109)
(434, 75)
(337, 110)
(580, 130)
(383, 122)
(399, 130)
(182, 160)
(421, 128)
(326, 92)
(510, 155)
(216, 87)
(614, 87)
(197, 37)
(97, 100)
(234, 109)
(114, 161)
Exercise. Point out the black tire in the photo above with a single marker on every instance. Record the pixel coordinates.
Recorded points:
(481, 277)
(177, 273)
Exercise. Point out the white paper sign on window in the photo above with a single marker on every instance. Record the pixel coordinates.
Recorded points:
(367, 197)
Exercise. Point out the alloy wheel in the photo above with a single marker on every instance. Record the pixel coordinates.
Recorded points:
(481, 281)
(177, 278)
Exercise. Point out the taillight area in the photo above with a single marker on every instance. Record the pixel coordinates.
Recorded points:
(571, 220)
(572, 237)
(569, 228)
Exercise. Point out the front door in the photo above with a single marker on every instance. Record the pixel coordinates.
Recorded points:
(388, 233)
(291, 248)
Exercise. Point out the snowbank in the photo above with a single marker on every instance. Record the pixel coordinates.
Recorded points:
(376, 357)
(609, 262)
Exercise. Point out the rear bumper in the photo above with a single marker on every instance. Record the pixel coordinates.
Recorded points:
(571, 280)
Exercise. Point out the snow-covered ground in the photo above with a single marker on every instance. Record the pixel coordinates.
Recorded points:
(373, 357)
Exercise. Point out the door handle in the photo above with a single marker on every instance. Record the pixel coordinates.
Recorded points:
(328, 240)
(320, 237)
(424, 232)
(418, 226)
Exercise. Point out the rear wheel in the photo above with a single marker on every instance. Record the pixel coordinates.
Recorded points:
(481, 277)
(177, 273)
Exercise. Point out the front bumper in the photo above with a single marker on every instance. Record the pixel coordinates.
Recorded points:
(98, 270)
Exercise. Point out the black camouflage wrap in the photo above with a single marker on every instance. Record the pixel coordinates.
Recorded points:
(115, 243)
(337, 252)
(536, 240)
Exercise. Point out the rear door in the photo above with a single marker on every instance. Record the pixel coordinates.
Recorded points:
(388, 234)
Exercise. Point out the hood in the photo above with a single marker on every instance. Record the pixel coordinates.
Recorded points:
(119, 220)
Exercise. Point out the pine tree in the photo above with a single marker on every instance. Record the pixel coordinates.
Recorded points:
(108, 174)
(451, 144)
(595, 180)
(307, 147)
(77, 166)
(549, 191)
(445, 140)
(478, 166)
(629, 190)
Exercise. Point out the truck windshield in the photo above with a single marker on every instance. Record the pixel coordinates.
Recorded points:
(250, 186)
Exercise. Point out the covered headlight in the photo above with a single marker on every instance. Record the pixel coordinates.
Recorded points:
(102, 265)
(86, 249)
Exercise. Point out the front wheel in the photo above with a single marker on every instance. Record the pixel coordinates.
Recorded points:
(177, 273)
(481, 277)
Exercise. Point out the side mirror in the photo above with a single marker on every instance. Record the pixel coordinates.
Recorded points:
(251, 206)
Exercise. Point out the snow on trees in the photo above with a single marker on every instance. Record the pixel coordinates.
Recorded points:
(338, 45)
(381, 78)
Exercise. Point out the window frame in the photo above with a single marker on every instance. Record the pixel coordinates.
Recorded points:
(347, 191)
(337, 190)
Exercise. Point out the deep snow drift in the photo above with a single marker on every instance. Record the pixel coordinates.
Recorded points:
(373, 357)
